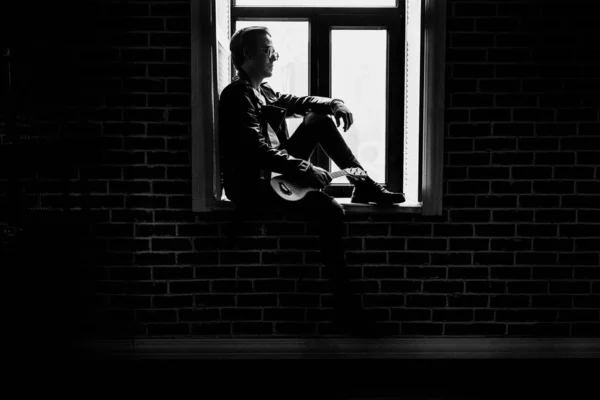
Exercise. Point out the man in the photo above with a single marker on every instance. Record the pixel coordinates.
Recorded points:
(254, 143)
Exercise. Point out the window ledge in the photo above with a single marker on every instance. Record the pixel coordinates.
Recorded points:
(408, 207)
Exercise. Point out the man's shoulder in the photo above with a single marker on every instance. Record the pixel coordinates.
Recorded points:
(237, 86)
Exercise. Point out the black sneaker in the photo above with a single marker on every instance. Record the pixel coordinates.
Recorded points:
(369, 191)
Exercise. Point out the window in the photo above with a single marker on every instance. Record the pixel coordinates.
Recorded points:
(396, 94)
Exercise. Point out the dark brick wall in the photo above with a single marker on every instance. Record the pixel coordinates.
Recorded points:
(111, 248)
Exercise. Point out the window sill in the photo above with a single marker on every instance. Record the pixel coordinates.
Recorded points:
(408, 207)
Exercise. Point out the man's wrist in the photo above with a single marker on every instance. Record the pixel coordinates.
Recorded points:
(334, 103)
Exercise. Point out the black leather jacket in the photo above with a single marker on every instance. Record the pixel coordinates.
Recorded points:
(245, 148)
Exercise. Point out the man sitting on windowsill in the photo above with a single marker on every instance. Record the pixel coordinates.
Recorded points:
(254, 143)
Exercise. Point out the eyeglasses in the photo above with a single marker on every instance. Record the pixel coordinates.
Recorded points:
(271, 52)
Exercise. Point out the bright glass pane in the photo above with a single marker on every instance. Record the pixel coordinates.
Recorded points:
(316, 3)
(290, 74)
(358, 77)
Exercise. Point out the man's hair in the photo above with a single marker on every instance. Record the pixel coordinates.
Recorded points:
(245, 37)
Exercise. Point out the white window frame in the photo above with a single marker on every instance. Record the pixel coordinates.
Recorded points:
(205, 168)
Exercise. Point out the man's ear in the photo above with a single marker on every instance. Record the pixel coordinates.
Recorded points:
(247, 53)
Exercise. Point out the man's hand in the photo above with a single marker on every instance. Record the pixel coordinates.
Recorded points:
(317, 177)
(340, 111)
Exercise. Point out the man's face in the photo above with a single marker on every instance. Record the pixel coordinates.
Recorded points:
(260, 64)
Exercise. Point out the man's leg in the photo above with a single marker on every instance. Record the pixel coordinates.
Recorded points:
(320, 129)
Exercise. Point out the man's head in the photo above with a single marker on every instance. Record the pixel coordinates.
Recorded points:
(250, 48)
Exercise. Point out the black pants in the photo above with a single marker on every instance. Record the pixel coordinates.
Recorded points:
(317, 207)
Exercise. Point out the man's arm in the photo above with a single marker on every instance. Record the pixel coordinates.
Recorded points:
(303, 104)
(240, 113)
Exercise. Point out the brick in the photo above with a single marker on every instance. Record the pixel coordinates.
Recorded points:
(526, 315)
(517, 100)
(551, 187)
(431, 244)
(248, 272)
(577, 114)
(490, 114)
(168, 158)
(252, 328)
(509, 301)
(124, 128)
(510, 272)
(586, 329)
(517, 71)
(170, 39)
(588, 215)
(128, 245)
(385, 300)
(553, 244)
(472, 39)
(473, 71)
(496, 201)
(426, 272)
(173, 301)
(539, 329)
(495, 230)
(588, 187)
(499, 24)
(512, 158)
(469, 244)
(579, 258)
(541, 201)
(145, 316)
(475, 329)
(199, 258)
(470, 215)
(145, 85)
(552, 301)
(130, 301)
(169, 70)
(470, 130)
(579, 230)
(211, 328)
(274, 285)
(583, 201)
(178, 24)
(486, 287)
(457, 159)
(453, 315)
(443, 287)
(556, 129)
(169, 329)
(170, 9)
(554, 158)
(357, 229)
(527, 287)
(468, 273)
(460, 24)
(510, 187)
(536, 258)
(169, 100)
(191, 287)
(458, 144)
(217, 300)
(587, 244)
(467, 300)
(167, 129)
(284, 314)
(468, 99)
(384, 243)
(299, 300)
(450, 258)
(495, 258)
(552, 273)
(410, 314)
(231, 286)
(537, 230)
(408, 258)
(171, 244)
(592, 128)
(573, 172)
(489, 172)
(421, 328)
(417, 300)
(411, 229)
(459, 201)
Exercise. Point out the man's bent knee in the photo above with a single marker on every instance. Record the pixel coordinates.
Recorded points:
(314, 117)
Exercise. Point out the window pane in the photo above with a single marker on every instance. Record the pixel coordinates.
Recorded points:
(290, 73)
(360, 81)
(316, 3)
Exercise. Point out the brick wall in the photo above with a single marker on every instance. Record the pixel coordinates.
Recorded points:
(514, 253)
